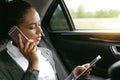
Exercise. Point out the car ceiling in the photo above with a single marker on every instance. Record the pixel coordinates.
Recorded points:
(40, 5)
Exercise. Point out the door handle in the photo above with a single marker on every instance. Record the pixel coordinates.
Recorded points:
(115, 51)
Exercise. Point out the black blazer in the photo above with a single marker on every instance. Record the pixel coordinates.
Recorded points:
(10, 70)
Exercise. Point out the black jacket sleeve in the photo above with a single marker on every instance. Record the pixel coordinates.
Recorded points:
(31, 75)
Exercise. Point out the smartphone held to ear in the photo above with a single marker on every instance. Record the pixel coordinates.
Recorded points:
(13, 33)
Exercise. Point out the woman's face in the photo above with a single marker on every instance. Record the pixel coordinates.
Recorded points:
(30, 25)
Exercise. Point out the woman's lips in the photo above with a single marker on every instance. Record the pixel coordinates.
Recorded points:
(39, 38)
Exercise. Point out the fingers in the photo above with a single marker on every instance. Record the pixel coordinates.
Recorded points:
(32, 47)
(87, 73)
(80, 69)
(28, 48)
(86, 65)
(21, 45)
(84, 76)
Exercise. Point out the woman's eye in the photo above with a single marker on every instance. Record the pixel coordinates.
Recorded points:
(32, 26)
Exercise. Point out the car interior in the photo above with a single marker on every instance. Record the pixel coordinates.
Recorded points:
(71, 47)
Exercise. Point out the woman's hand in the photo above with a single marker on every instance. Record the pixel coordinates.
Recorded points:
(29, 51)
(79, 69)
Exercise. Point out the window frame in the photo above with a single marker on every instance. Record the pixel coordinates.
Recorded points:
(50, 12)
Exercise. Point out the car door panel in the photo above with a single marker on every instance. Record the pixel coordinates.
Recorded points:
(75, 50)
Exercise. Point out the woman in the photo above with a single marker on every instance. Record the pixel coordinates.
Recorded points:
(21, 61)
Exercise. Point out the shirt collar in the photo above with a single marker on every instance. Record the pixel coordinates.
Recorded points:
(13, 50)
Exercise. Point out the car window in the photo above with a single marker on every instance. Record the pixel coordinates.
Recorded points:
(95, 14)
(58, 20)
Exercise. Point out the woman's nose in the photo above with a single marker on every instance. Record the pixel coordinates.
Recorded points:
(39, 30)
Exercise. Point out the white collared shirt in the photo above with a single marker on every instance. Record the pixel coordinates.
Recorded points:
(46, 70)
